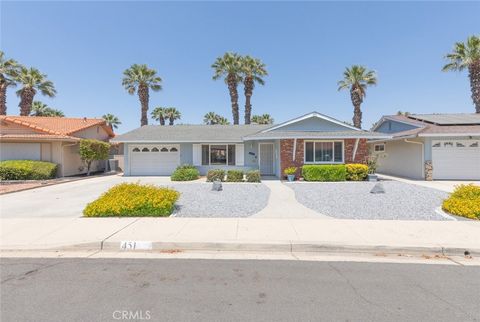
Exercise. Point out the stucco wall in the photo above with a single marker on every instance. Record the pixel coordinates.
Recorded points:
(401, 159)
(73, 164)
(94, 132)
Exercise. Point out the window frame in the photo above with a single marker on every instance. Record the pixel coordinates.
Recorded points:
(379, 144)
(226, 154)
(333, 152)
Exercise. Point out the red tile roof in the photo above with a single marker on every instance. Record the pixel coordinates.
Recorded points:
(59, 126)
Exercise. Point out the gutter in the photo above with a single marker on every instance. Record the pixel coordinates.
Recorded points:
(423, 154)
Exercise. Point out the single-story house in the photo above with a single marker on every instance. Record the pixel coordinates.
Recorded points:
(429, 146)
(313, 138)
(53, 139)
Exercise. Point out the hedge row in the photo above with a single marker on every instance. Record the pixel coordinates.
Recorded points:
(185, 173)
(335, 172)
(27, 170)
(233, 175)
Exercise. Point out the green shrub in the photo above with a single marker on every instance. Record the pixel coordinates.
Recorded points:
(93, 150)
(253, 176)
(216, 174)
(464, 201)
(235, 176)
(132, 200)
(185, 173)
(290, 171)
(356, 171)
(326, 172)
(27, 170)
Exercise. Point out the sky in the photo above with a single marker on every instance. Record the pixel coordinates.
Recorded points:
(84, 47)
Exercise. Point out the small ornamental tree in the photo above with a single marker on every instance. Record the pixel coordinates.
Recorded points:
(93, 150)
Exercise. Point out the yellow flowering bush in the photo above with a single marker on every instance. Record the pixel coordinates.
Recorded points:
(133, 200)
(464, 201)
(356, 171)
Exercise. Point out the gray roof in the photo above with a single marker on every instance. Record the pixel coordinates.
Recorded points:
(190, 133)
(448, 119)
(349, 134)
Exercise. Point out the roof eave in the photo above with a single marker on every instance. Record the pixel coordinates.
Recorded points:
(321, 137)
(448, 134)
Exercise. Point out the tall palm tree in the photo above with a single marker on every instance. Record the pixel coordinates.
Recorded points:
(111, 120)
(42, 109)
(32, 80)
(212, 118)
(262, 119)
(253, 70)
(8, 70)
(467, 55)
(356, 79)
(159, 114)
(229, 67)
(140, 79)
(172, 114)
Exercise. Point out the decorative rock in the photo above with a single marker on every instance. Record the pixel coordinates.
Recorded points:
(378, 188)
(217, 185)
(428, 171)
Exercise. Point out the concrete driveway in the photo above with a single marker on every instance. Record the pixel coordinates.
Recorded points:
(63, 200)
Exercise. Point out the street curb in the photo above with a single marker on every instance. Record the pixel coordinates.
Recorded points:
(280, 247)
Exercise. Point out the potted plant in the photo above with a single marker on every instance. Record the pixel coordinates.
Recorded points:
(290, 173)
(372, 168)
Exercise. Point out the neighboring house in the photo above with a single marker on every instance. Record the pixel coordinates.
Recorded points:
(53, 139)
(430, 146)
(310, 139)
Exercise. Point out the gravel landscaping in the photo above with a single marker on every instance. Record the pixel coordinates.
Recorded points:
(353, 200)
(236, 200)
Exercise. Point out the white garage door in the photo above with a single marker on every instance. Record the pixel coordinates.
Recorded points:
(154, 160)
(456, 159)
(19, 151)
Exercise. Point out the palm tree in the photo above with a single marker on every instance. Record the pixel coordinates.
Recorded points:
(172, 114)
(42, 109)
(467, 55)
(262, 119)
(229, 67)
(212, 118)
(111, 120)
(356, 79)
(253, 70)
(140, 79)
(159, 114)
(8, 71)
(32, 80)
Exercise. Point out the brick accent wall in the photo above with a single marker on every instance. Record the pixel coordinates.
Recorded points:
(362, 151)
(286, 153)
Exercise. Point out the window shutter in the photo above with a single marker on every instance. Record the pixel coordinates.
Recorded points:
(197, 154)
(239, 154)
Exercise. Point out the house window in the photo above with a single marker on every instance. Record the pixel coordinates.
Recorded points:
(145, 150)
(460, 145)
(436, 145)
(324, 152)
(155, 150)
(164, 150)
(218, 154)
(379, 147)
(474, 145)
(173, 150)
(136, 150)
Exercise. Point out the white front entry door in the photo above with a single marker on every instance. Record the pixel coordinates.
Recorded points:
(266, 159)
(456, 159)
(154, 160)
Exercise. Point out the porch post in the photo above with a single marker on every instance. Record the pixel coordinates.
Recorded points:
(355, 147)
(294, 149)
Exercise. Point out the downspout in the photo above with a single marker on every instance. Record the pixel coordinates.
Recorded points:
(355, 147)
(294, 149)
(423, 155)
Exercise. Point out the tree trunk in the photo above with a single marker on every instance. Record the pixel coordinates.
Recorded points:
(26, 100)
(248, 97)
(143, 96)
(3, 98)
(474, 75)
(162, 120)
(89, 163)
(356, 97)
(171, 120)
(232, 87)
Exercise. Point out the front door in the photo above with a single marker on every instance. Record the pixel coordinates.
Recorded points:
(267, 166)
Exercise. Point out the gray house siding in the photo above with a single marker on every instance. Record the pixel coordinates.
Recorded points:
(389, 126)
(313, 124)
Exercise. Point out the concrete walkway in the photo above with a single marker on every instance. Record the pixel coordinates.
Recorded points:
(234, 234)
(443, 185)
(283, 204)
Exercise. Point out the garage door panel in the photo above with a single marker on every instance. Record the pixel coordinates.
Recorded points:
(457, 162)
(154, 160)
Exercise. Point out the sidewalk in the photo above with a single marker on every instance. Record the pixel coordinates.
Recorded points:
(217, 234)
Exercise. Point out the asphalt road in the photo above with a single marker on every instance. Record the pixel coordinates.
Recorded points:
(235, 290)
